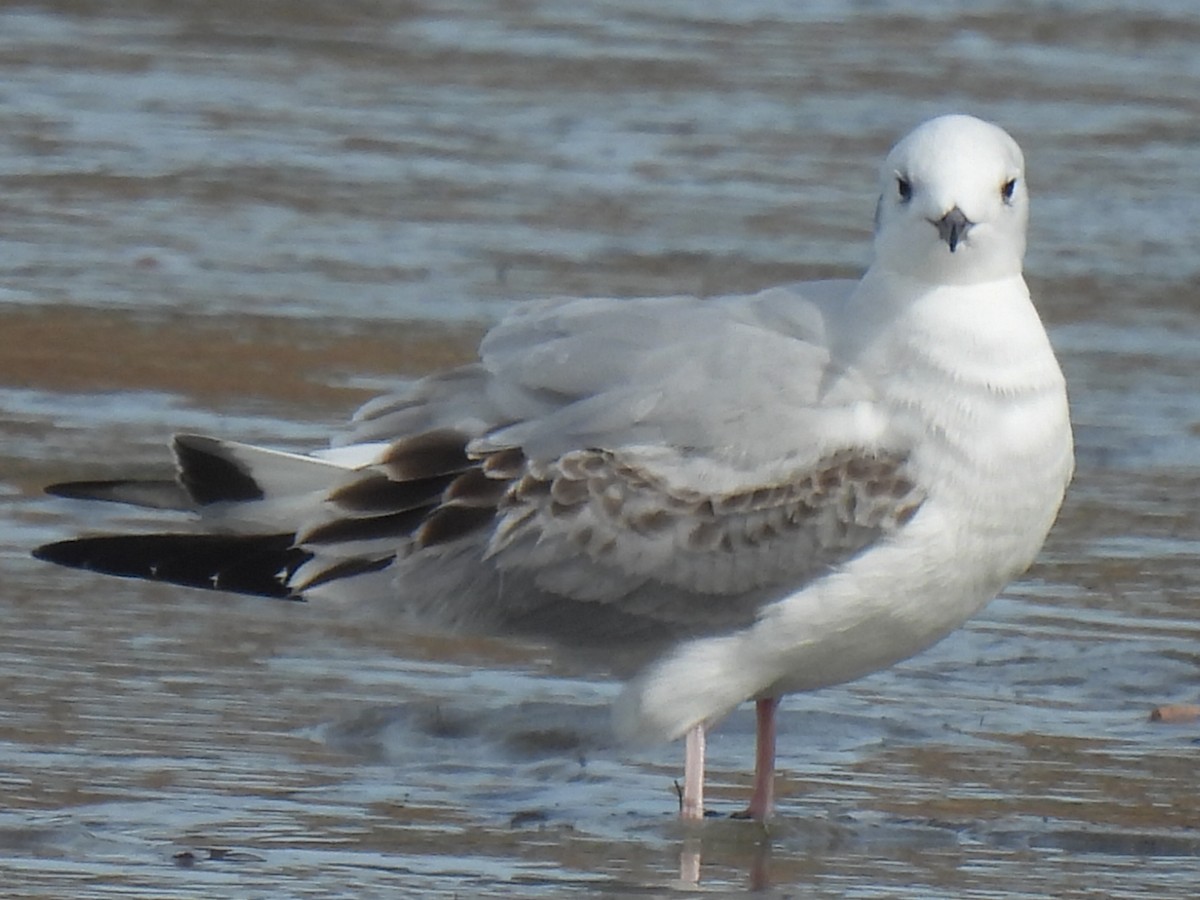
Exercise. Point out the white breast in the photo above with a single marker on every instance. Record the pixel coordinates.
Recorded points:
(968, 379)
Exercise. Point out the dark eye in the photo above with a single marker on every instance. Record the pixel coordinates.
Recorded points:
(904, 188)
(1006, 189)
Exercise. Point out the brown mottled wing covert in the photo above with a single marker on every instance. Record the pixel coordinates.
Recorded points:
(606, 527)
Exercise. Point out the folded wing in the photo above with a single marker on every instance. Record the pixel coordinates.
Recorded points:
(669, 464)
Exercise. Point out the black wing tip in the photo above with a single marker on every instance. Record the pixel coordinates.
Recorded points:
(58, 552)
(81, 490)
(159, 493)
(257, 565)
(209, 475)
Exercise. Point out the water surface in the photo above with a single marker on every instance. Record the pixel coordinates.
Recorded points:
(245, 219)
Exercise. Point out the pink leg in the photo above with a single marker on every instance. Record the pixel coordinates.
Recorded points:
(763, 798)
(691, 804)
(689, 863)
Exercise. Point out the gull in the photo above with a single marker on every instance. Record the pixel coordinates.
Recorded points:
(721, 500)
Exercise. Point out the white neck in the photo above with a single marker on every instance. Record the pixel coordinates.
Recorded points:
(961, 362)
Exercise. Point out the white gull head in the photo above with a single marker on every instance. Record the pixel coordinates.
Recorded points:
(953, 204)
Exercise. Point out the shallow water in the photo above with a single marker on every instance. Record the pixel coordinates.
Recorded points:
(246, 218)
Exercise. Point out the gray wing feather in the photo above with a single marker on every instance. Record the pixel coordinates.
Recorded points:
(670, 464)
(673, 372)
(456, 399)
